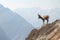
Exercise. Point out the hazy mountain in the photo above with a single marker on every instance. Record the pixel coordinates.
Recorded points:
(3, 36)
(54, 14)
(13, 24)
(31, 15)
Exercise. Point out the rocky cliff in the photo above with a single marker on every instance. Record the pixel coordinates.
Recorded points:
(49, 31)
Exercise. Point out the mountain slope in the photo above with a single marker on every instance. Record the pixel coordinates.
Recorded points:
(30, 14)
(14, 25)
(49, 31)
(3, 36)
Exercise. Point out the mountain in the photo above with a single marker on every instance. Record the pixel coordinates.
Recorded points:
(31, 15)
(54, 14)
(3, 36)
(13, 24)
(49, 31)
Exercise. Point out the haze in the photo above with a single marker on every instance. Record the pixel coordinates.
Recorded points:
(44, 4)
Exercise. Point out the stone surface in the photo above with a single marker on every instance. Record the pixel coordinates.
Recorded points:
(49, 31)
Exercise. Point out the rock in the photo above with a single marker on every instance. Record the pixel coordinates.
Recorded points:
(49, 31)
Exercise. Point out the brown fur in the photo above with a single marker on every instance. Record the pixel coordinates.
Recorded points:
(46, 17)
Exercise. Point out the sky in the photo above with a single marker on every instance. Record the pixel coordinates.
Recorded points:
(44, 4)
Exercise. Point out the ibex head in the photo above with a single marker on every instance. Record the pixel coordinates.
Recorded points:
(39, 16)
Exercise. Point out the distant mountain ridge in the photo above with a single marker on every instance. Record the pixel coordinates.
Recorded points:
(32, 14)
(13, 24)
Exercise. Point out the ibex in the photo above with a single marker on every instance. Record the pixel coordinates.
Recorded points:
(46, 17)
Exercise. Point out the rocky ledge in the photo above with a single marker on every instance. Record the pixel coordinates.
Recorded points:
(49, 31)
